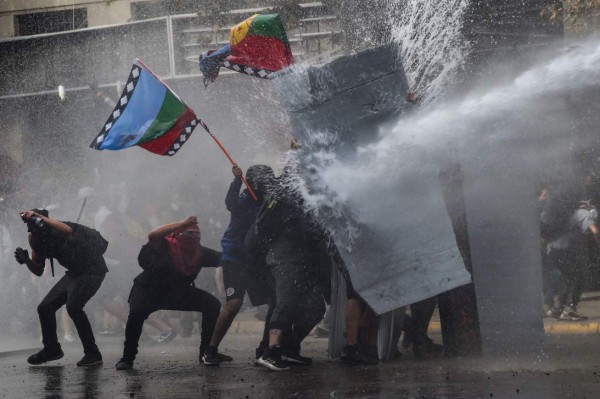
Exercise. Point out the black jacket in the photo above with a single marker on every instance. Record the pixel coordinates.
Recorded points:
(159, 271)
(79, 254)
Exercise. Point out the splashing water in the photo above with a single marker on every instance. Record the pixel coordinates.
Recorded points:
(529, 114)
(432, 47)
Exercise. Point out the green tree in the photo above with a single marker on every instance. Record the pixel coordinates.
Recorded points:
(578, 16)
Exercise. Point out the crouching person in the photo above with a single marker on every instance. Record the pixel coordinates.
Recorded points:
(171, 260)
(79, 249)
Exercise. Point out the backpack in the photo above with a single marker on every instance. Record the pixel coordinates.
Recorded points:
(90, 240)
(151, 259)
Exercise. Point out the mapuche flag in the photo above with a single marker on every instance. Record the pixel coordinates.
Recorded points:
(257, 46)
(148, 114)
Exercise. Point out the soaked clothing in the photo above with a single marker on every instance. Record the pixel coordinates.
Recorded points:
(160, 273)
(75, 253)
(293, 244)
(162, 287)
(236, 276)
(143, 301)
(300, 306)
(243, 210)
(85, 272)
(74, 292)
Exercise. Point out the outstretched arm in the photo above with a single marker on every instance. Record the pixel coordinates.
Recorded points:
(155, 236)
(232, 197)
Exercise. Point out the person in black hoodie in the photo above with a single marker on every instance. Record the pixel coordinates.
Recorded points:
(79, 249)
(293, 241)
(171, 260)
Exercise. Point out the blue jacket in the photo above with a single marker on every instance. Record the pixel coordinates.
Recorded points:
(243, 210)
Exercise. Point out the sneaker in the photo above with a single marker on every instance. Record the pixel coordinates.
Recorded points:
(210, 356)
(166, 337)
(570, 314)
(45, 355)
(68, 338)
(259, 352)
(92, 359)
(552, 312)
(124, 364)
(353, 354)
(433, 348)
(224, 358)
(294, 357)
(271, 359)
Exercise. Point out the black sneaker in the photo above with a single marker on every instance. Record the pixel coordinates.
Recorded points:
(210, 356)
(166, 337)
(259, 352)
(92, 359)
(293, 357)
(353, 354)
(433, 348)
(271, 359)
(124, 364)
(224, 358)
(552, 312)
(45, 355)
(570, 313)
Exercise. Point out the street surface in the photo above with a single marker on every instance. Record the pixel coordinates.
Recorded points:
(569, 368)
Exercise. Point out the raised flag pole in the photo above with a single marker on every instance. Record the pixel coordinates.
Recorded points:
(201, 122)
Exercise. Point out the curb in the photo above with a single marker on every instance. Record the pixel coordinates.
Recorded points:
(557, 328)
(256, 327)
(572, 328)
(19, 352)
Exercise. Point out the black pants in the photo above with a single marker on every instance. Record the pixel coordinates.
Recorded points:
(75, 292)
(571, 267)
(299, 305)
(143, 301)
(422, 312)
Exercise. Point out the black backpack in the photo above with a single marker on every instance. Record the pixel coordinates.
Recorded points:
(90, 240)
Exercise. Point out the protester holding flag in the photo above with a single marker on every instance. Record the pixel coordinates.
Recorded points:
(171, 260)
(237, 278)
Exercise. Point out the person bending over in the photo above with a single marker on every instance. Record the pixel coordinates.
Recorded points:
(171, 260)
(79, 249)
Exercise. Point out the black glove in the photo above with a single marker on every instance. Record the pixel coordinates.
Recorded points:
(21, 255)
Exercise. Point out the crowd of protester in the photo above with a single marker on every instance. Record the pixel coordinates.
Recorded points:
(273, 252)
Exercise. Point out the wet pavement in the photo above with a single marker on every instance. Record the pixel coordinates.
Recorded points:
(570, 368)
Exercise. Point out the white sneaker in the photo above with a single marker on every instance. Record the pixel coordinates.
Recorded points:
(68, 338)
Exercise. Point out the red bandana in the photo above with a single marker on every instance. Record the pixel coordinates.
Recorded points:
(185, 250)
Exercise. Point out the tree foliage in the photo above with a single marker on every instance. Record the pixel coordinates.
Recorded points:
(578, 16)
